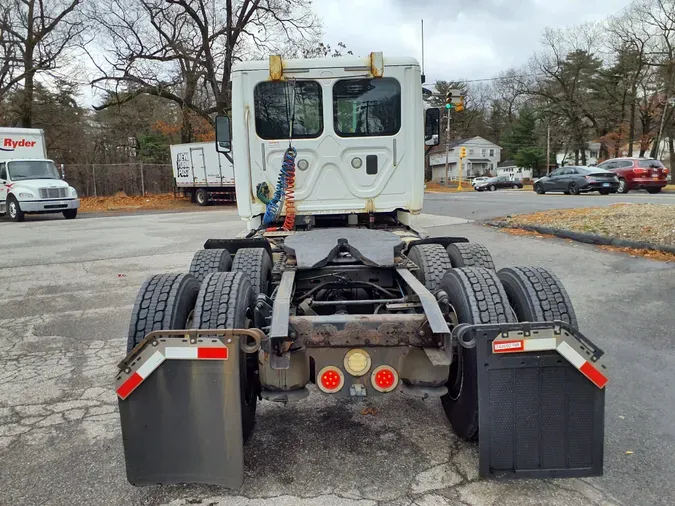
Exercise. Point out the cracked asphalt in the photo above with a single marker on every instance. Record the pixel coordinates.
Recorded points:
(66, 291)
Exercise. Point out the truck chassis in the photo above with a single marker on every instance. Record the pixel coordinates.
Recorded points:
(360, 309)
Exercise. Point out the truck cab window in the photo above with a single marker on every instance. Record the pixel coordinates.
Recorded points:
(3, 172)
(367, 107)
(273, 103)
(32, 169)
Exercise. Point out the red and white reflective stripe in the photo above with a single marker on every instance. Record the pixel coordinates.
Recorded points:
(518, 345)
(201, 353)
(579, 361)
(137, 377)
(170, 353)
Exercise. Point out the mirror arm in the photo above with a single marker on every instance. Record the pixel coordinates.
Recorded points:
(229, 157)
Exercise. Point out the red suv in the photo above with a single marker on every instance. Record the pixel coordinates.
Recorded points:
(638, 173)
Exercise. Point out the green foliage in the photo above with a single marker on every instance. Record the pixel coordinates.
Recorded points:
(530, 158)
(154, 148)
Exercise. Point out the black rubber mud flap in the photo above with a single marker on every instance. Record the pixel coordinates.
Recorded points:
(541, 401)
(180, 409)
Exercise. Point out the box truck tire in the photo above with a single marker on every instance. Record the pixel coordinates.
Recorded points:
(70, 214)
(202, 197)
(14, 210)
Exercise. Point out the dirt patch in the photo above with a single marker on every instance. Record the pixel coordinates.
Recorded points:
(121, 202)
(647, 223)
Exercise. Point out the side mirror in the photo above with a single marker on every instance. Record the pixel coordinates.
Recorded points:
(223, 134)
(432, 127)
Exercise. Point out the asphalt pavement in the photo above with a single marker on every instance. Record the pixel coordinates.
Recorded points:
(67, 292)
(475, 205)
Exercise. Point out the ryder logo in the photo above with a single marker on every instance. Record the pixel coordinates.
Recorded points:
(10, 144)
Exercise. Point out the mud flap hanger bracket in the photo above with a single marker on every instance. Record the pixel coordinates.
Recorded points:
(538, 337)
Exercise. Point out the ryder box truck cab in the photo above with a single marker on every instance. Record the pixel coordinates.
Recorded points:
(29, 182)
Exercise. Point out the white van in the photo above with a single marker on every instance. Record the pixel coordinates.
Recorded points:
(29, 182)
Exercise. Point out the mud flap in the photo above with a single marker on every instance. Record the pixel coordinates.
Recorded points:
(180, 408)
(541, 400)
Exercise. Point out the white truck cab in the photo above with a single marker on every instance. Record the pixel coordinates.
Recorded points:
(30, 183)
(357, 125)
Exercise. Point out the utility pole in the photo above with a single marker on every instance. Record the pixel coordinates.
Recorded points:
(447, 147)
(548, 149)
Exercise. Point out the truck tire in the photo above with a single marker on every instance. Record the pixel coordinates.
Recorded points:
(202, 197)
(208, 261)
(478, 297)
(468, 254)
(164, 302)
(70, 214)
(223, 303)
(257, 265)
(433, 263)
(536, 294)
(14, 209)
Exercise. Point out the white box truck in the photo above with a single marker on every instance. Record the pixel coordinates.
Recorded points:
(202, 173)
(30, 183)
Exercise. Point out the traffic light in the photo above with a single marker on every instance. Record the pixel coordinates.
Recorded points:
(460, 105)
(462, 152)
(448, 100)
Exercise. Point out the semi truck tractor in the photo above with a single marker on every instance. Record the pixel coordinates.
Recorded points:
(30, 183)
(202, 173)
(333, 290)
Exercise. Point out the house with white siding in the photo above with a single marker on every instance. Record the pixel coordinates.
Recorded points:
(482, 157)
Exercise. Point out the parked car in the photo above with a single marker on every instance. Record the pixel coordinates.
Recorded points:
(638, 173)
(494, 183)
(576, 180)
(478, 180)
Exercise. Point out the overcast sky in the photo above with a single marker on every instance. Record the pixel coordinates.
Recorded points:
(464, 39)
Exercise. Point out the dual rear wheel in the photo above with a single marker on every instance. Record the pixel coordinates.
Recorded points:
(218, 293)
(478, 294)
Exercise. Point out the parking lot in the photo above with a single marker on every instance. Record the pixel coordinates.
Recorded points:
(67, 292)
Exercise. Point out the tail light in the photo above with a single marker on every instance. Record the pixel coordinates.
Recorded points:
(665, 171)
(640, 171)
(331, 379)
(384, 378)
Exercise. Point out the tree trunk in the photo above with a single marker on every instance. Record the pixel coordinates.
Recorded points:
(576, 157)
(631, 130)
(671, 153)
(185, 127)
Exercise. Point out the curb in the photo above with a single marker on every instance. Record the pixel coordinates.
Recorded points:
(585, 238)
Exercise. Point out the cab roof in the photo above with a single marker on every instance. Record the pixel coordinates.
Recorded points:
(327, 63)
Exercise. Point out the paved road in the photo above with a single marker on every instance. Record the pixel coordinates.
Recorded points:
(484, 205)
(67, 291)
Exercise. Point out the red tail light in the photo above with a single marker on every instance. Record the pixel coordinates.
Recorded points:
(331, 379)
(665, 171)
(384, 378)
(640, 171)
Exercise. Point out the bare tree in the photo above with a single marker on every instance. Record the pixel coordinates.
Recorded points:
(35, 36)
(184, 50)
(563, 77)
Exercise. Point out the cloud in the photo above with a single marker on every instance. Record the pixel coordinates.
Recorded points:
(464, 39)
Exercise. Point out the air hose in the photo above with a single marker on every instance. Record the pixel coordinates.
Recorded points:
(284, 192)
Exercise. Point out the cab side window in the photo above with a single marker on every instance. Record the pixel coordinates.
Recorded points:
(3, 172)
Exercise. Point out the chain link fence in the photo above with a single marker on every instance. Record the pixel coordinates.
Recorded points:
(101, 180)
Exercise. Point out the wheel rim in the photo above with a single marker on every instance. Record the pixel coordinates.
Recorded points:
(492, 188)
(12, 209)
(200, 197)
(622, 185)
(573, 188)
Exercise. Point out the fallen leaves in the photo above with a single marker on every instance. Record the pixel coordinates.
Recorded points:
(369, 411)
(651, 223)
(120, 201)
